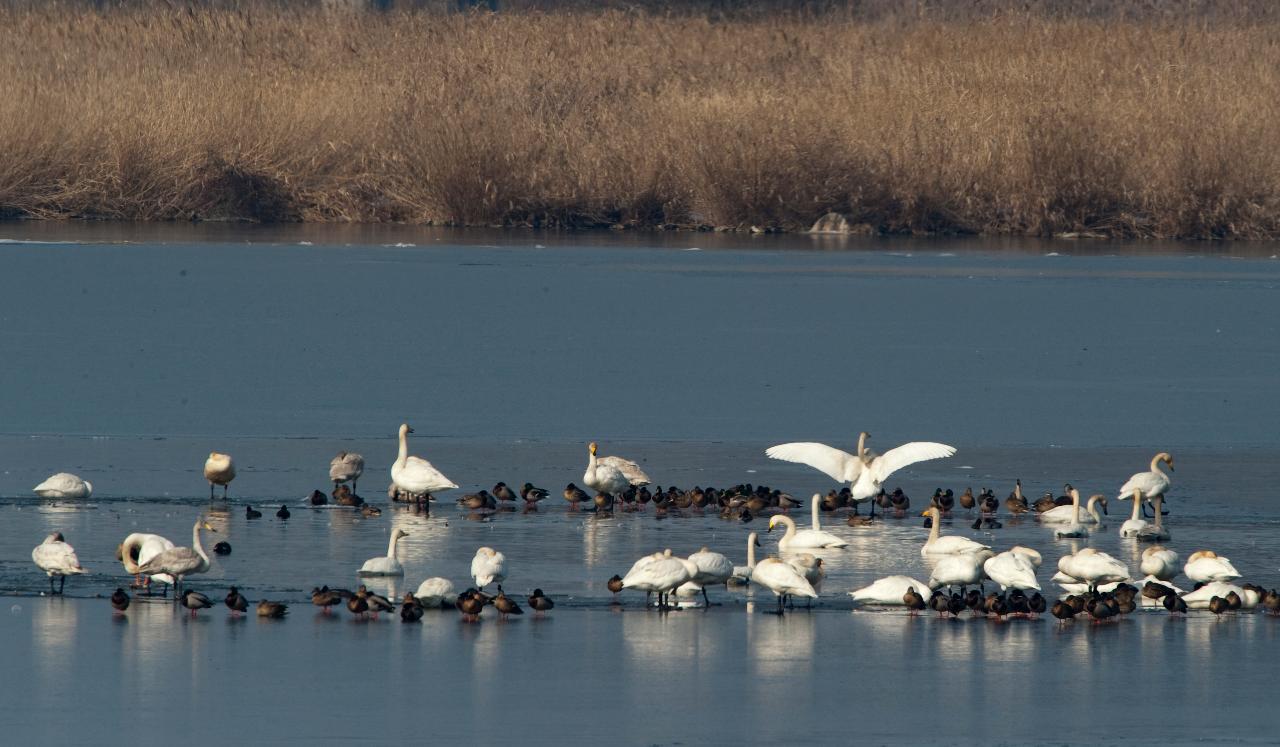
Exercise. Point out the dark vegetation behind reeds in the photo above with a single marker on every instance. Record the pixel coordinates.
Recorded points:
(1120, 119)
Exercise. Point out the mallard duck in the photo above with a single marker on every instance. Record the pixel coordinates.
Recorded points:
(376, 602)
(317, 498)
(410, 610)
(369, 512)
(1063, 611)
(236, 602)
(277, 610)
(967, 501)
(615, 584)
(1218, 605)
(532, 495)
(470, 603)
(900, 502)
(575, 495)
(1046, 503)
(1271, 602)
(539, 602)
(912, 600)
(194, 600)
(324, 598)
(343, 496)
(120, 600)
(1174, 604)
(357, 605)
(481, 501)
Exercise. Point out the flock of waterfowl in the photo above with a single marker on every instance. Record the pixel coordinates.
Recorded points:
(1093, 582)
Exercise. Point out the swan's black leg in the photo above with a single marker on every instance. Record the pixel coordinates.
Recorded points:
(705, 600)
(210, 491)
(62, 582)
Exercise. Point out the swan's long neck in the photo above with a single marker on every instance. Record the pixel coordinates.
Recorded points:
(195, 544)
(862, 448)
(816, 525)
(391, 546)
(126, 556)
(1155, 464)
(1075, 510)
(1137, 506)
(936, 529)
(1092, 511)
(404, 449)
(751, 550)
(591, 463)
(790, 524)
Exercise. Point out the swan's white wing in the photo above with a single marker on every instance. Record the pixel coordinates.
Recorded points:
(839, 465)
(916, 451)
(628, 468)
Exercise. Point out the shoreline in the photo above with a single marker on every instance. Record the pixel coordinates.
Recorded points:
(1013, 125)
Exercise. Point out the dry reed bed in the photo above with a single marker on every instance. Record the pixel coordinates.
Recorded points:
(1017, 125)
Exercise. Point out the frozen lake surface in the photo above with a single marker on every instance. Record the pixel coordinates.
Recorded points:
(131, 353)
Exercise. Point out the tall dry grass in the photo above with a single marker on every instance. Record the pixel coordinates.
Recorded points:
(1016, 123)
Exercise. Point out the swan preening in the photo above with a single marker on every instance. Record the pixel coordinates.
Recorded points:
(414, 475)
(138, 549)
(180, 562)
(488, 567)
(1092, 567)
(219, 469)
(1206, 566)
(888, 591)
(1014, 569)
(1073, 525)
(64, 485)
(865, 472)
(347, 466)
(1151, 483)
(782, 579)
(385, 565)
(612, 475)
(56, 558)
(660, 573)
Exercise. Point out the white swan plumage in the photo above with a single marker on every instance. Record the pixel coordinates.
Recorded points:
(889, 590)
(347, 466)
(56, 558)
(958, 570)
(415, 475)
(180, 562)
(1199, 599)
(804, 539)
(435, 592)
(1152, 483)
(1135, 524)
(488, 567)
(659, 573)
(782, 579)
(865, 472)
(712, 568)
(64, 485)
(611, 474)
(385, 565)
(138, 549)
(1207, 566)
(742, 573)
(1012, 569)
(1092, 567)
(1070, 515)
(949, 545)
(1159, 562)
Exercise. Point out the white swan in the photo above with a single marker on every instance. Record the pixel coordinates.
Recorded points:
(347, 466)
(742, 573)
(1072, 585)
(611, 474)
(658, 573)
(1070, 515)
(1199, 599)
(385, 565)
(805, 539)
(56, 558)
(1031, 555)
(488, 567)
(712, 568)
(1152, 483)
(1012, 570)
(1155, 531)
(1092, 567)
(435, 592)
(810, 567)
(958, 570)
(64, 485)
(782, 579)
(865, 472)
(414, 475)
(138, 549)
(949, 545)
(1159, 562)
(1135, 524)
(180, 562)
(1206, 566)
(889, 590)
(219, 469)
